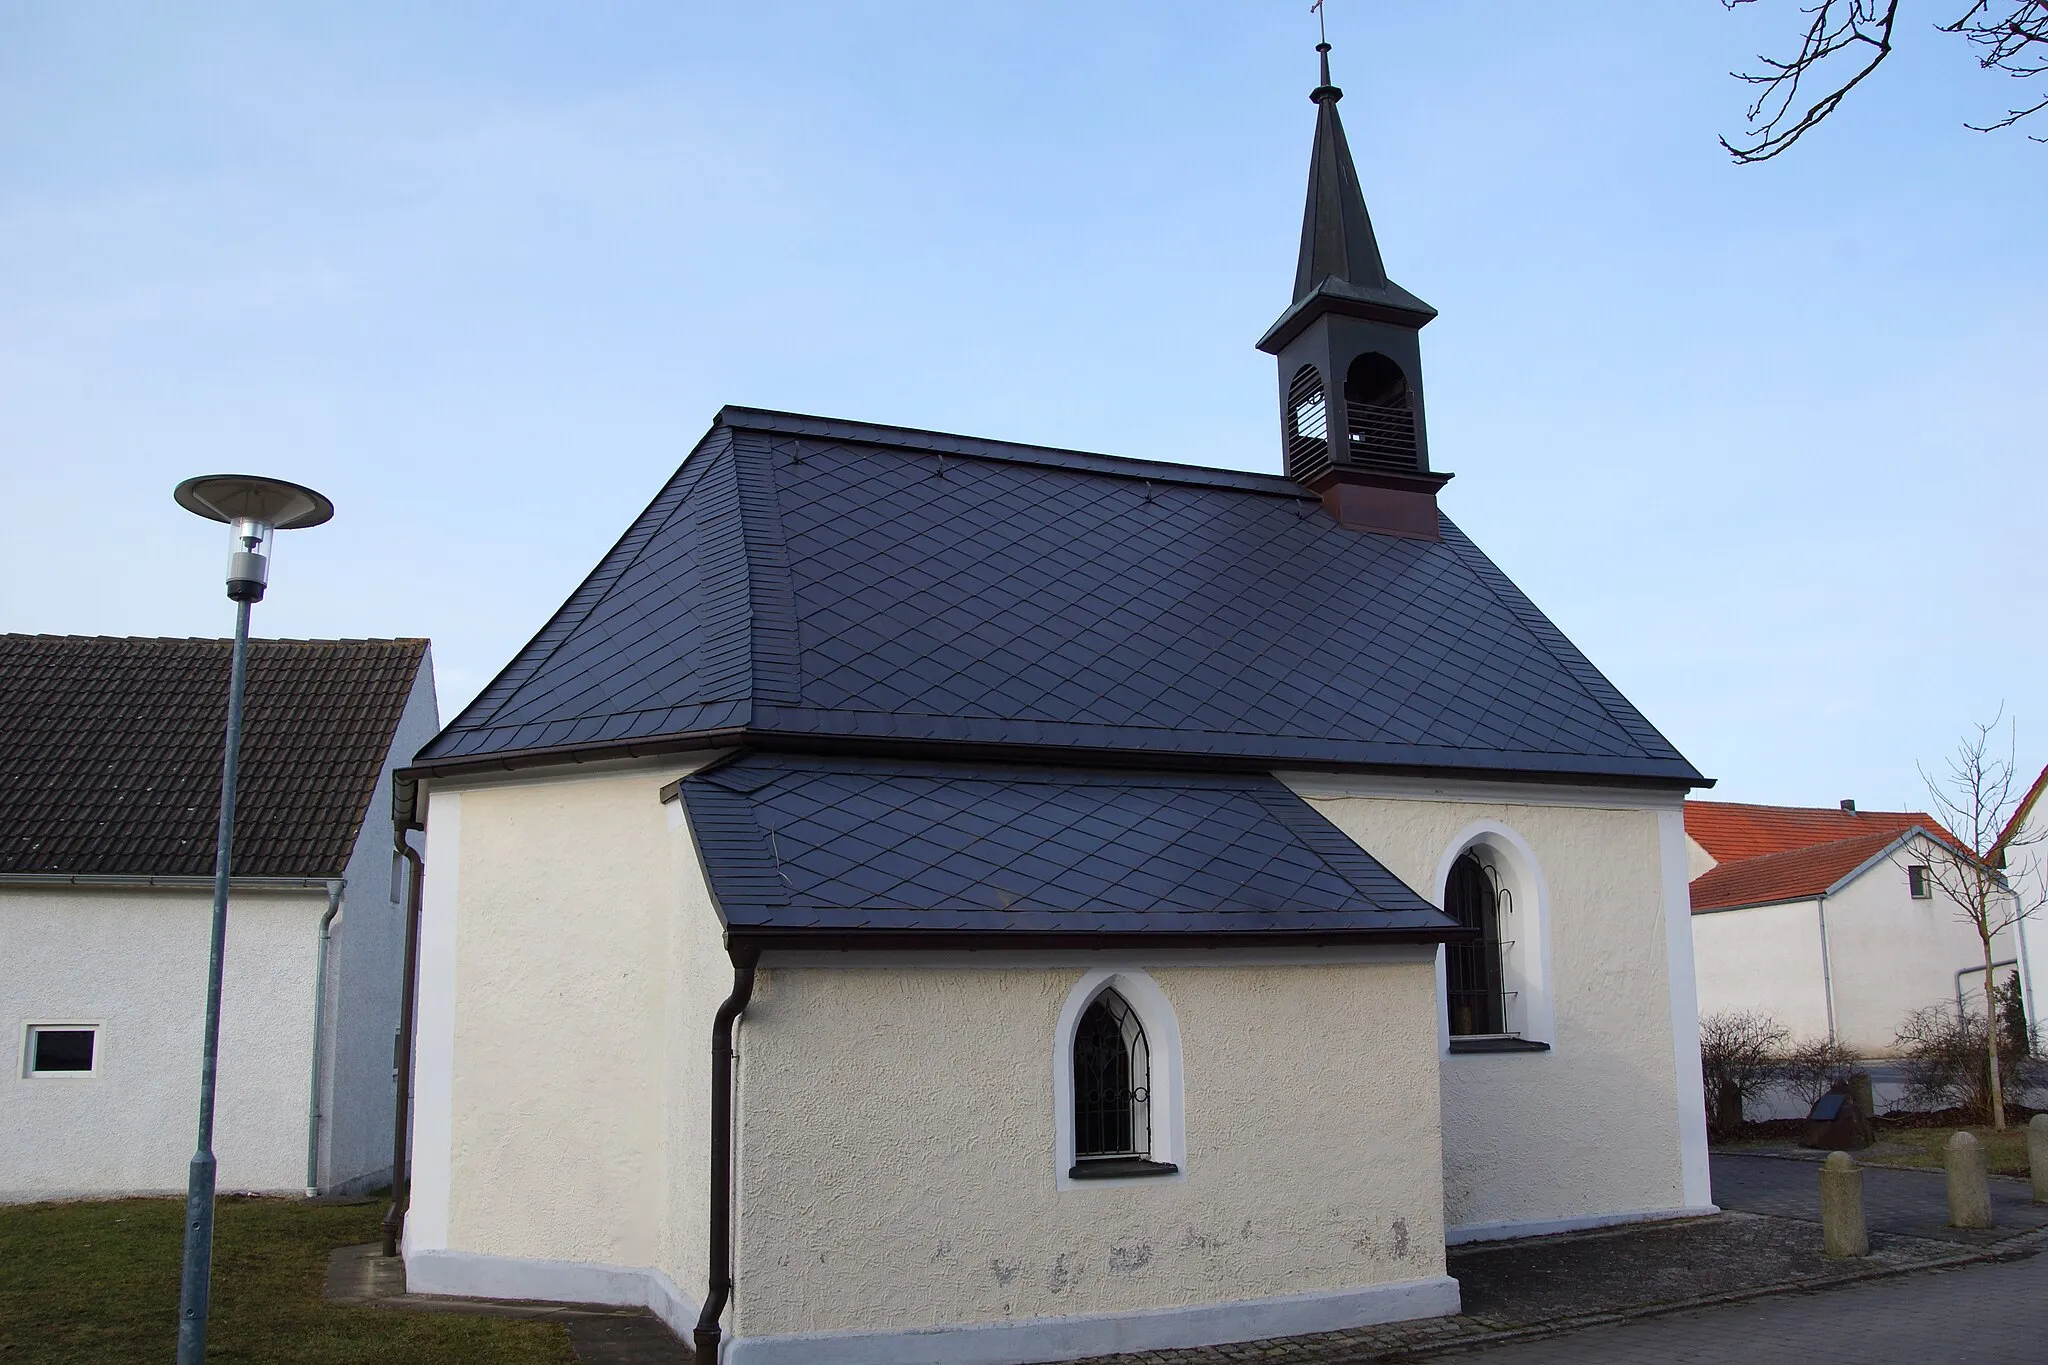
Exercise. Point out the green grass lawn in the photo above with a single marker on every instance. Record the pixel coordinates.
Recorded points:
(2005, 1153)
(96, 1283)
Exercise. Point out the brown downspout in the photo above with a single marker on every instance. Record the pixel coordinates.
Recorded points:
(720, 1290)
(401, 1185)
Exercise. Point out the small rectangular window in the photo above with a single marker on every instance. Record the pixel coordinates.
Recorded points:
(1916, 882)
(61, 1050)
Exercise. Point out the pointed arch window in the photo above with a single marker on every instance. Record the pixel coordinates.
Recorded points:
(1112, 1073)
(1475, 985)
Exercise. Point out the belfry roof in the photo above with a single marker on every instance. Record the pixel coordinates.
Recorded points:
(803, 581)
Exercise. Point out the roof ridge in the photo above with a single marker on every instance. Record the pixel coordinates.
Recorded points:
(1013, 452)
(221, 640)
(1802, 810)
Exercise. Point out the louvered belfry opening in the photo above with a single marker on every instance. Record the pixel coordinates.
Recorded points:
(1308, 425)
(1379, 415)
(1112, 1082)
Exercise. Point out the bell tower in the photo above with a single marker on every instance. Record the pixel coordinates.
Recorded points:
(1350, 352)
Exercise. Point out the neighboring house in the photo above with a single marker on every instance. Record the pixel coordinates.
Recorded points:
(1066, 834)
(1829, 921)
(2023, 846)
(110, 760)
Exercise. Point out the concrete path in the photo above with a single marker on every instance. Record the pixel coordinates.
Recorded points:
(1995, 1314)
(1907, 1203)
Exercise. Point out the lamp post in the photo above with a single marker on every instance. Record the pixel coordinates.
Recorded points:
(256, 509)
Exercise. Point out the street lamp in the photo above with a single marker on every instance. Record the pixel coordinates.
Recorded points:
(256, 509)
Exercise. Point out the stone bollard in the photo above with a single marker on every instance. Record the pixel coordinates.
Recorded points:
(2037, 1155)
(1859, 1088)
(1843, 1234)
(1969, 1189)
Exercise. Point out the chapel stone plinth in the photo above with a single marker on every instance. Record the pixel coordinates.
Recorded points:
(1969, 1186)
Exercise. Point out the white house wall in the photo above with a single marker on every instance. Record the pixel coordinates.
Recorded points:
(1765, 959)
(365, 970)
(897, 1149)
(1892, 954)
(134, 963)
(1622, 1075)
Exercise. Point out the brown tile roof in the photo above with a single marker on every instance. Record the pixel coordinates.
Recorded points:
(110, 751)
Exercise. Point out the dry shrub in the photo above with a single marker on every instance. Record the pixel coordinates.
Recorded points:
(1738, 1058)
(1947, 1066)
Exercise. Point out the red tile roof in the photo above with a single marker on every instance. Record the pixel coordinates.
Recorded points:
(1731, 831)
(1784, 853)
(110, 751)
(1795, 874)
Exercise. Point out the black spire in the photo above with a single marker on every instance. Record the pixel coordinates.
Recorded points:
(1350, 355)
(1336, 231)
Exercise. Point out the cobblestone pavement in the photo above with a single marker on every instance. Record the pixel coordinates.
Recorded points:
(1995, 1314)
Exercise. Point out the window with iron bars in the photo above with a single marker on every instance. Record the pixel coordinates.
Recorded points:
(1476, 986)
(1112, 1083)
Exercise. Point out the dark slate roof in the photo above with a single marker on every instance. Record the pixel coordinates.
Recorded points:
(826, 845)
(803, 580)
(110, 752)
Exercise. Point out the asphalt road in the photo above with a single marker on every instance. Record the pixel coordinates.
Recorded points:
(1995, 1314)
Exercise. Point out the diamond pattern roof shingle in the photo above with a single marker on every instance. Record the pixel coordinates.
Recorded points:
(110, 752)
(800, 577)
(794, 842)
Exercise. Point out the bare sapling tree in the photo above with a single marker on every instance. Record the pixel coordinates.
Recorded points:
(1847, 40)
(1984, 808)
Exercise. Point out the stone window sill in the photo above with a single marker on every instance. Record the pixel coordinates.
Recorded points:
(1465, 1045)
(1120, 1168)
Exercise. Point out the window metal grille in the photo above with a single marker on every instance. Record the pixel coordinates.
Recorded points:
(1112, 1082)
(1475, 983)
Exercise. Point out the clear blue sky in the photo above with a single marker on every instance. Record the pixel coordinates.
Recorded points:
(1766, 442)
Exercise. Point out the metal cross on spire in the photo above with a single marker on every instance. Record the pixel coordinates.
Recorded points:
(1323, 55)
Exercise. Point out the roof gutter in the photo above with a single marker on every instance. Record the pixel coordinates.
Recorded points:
(319, 1037)
(130, 881)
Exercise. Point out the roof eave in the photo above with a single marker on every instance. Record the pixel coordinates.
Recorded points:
(1668, 776)
(1392, 304)
(1014, 940)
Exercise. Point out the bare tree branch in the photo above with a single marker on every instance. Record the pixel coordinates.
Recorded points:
(1860, 28)
(1847, 40)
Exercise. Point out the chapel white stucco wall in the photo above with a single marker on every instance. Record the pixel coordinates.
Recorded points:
(571, 961)
(134, 963)
(1518, 1126)
(897, 1148)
